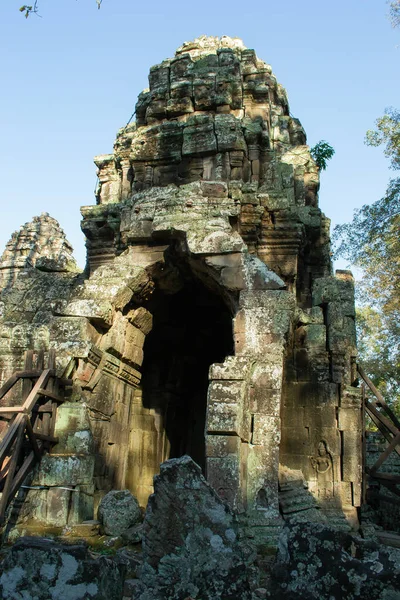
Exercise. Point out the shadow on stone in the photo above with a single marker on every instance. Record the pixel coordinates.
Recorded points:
(318, 562)
(190, 540)
(44, 570)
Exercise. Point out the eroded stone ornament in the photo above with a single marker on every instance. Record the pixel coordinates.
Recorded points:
(323, 465)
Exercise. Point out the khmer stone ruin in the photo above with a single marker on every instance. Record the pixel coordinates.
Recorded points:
(208, 322)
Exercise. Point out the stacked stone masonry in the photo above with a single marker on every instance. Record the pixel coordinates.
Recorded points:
(208, 321)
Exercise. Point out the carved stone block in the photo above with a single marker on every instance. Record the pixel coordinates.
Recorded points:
(199, 136)
(266, 430)
(218, 446)
(65, 470)
(76, 335)
(349, 419)
(225, 407)
(229, 134)
(223, 474)
(352, 466)
(204, 92)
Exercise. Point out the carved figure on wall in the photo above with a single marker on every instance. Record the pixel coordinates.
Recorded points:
(19, 337)
(5, 338)
(323, 465)
(41, 338)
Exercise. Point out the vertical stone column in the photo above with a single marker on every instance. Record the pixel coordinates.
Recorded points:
(228, 427)
(263, 459)
(126, 181)
(336, 296)
(261, 329)
(148, 448)
(351, 429)
(243, 419)
(109, 186)
(64, 478)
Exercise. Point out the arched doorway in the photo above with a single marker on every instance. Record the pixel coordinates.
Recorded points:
(192, 328)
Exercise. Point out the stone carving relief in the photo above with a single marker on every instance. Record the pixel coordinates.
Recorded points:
(323, 465)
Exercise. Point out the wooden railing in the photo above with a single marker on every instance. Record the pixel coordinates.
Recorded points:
(30, 430)
(389, 425)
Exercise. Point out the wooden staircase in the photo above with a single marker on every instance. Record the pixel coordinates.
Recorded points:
(30, 425)
(389, 425)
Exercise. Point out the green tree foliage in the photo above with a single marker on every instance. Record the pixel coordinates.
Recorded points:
(387, 132)
(378, 337)
(321, 153)
(372, 242)
(395, 13)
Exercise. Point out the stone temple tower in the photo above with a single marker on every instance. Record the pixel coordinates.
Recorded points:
(208, 321)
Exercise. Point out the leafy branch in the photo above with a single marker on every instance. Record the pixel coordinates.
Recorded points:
(372, 242)
(388, 133)
(27, 10)
(394, 13)
(321, 153)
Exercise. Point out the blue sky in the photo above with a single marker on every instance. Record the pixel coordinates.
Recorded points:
(70, 80)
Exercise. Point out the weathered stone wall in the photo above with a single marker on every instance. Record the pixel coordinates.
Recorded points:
(321, 414)
(212, 193)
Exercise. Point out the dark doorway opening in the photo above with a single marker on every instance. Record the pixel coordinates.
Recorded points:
(192, 329)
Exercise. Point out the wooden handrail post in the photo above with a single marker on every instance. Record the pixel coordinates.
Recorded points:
(11, 469)
(377, 393)
(27, 383)
(392, 446)
(389, 426)
(46, 393)
(364, 447)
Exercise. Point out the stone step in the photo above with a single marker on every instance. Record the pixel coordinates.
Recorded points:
(389, 538)
(337, 519)
(295, 497)
(311, 515)
(298, 505)
(85, 529)
(293, 484)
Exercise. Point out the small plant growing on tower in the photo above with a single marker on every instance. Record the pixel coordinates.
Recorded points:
(321, 153)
